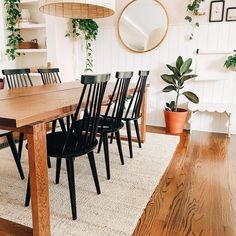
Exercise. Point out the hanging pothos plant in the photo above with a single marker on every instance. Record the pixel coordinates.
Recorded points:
(88, 29)
(196, 8)
(12, 17)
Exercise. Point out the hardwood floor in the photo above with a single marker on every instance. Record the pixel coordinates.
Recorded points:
(197, 194)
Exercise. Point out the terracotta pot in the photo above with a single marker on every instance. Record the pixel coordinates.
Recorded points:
(175, 121)
(2, 83)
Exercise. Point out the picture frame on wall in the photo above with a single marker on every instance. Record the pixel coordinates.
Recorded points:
(231, 14)
(217, 11)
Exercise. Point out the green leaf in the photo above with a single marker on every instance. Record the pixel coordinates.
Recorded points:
(174, 70)
(169, 88)
(168, 79)
(179, 62)
(186, 66)
(189, 18)
(191, 97)
(187, 77)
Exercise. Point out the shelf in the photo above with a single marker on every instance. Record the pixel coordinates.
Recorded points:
(32, 26)
(29, 1)
(40, 50)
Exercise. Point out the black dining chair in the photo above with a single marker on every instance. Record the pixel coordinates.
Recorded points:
(133, 112)
(51, 76)
(18, 78)
(81, 137)
(12, 145)
(111, 121)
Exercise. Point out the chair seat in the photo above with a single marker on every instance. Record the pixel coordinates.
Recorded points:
(56, 141)
(4, 132)
(108, 125)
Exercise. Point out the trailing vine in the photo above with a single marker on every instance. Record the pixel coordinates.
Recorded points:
(88, 29)
(13, 38)
(194, 7)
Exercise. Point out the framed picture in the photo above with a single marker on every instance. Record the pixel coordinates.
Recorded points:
(217, 11)
(231, 14)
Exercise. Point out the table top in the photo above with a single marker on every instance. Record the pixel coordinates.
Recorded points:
(24, 106)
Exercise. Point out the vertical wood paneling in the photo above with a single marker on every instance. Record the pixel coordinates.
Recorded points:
(111, 56)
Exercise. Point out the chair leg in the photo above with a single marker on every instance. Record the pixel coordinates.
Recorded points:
(58, 170)
(100, 144)
(138, 133)
(54, 123)
(49, 162)
(62, 124)
(15, 154)
(129, 138)
(68, 122)
(20, 145)
(71, 182)
(27, 197)
(94, 171)
(106, 153)
(119, 147)
(111, 139)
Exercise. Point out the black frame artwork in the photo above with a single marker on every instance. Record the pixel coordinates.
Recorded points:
(227, 13)
(212, 8)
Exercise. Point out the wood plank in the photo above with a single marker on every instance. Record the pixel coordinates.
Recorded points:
(36, 90)
(8, 228)
(197, 194)
(39, 179)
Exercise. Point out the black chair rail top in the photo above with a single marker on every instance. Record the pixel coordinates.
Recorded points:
(16, 71)
(47, 70)
(94, 79)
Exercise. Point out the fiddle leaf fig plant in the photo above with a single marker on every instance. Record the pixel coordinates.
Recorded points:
(13, 14)
(88, 29)
(181, 73)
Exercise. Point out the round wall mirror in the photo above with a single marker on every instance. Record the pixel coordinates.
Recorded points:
(143, 25)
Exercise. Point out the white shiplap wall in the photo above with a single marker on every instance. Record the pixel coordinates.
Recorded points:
(111, 56)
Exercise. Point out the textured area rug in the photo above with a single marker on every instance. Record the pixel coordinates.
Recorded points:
(115, 212)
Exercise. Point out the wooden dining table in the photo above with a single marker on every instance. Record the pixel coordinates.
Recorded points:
(28, 110)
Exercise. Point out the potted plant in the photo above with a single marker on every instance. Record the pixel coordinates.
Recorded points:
(196, 8)
(230, 63)
(175, 117)
(88, 29)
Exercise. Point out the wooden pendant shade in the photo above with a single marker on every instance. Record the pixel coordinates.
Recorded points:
(83, 9)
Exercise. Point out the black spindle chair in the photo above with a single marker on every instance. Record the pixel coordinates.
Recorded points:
(12, 145)
(111, 121)
(133, 111)
(18, 78)
(51, 76)
(81, 137)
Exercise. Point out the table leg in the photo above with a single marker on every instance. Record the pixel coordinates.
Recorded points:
(39, 180)
(144, 117)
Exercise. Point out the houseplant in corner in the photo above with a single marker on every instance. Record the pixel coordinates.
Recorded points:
(175, 117)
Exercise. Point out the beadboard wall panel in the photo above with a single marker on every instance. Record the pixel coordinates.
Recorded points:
(111, 56)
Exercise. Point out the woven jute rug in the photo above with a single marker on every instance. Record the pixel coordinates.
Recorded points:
(115, 212)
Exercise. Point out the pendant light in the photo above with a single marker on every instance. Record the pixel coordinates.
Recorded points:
(83, 9)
